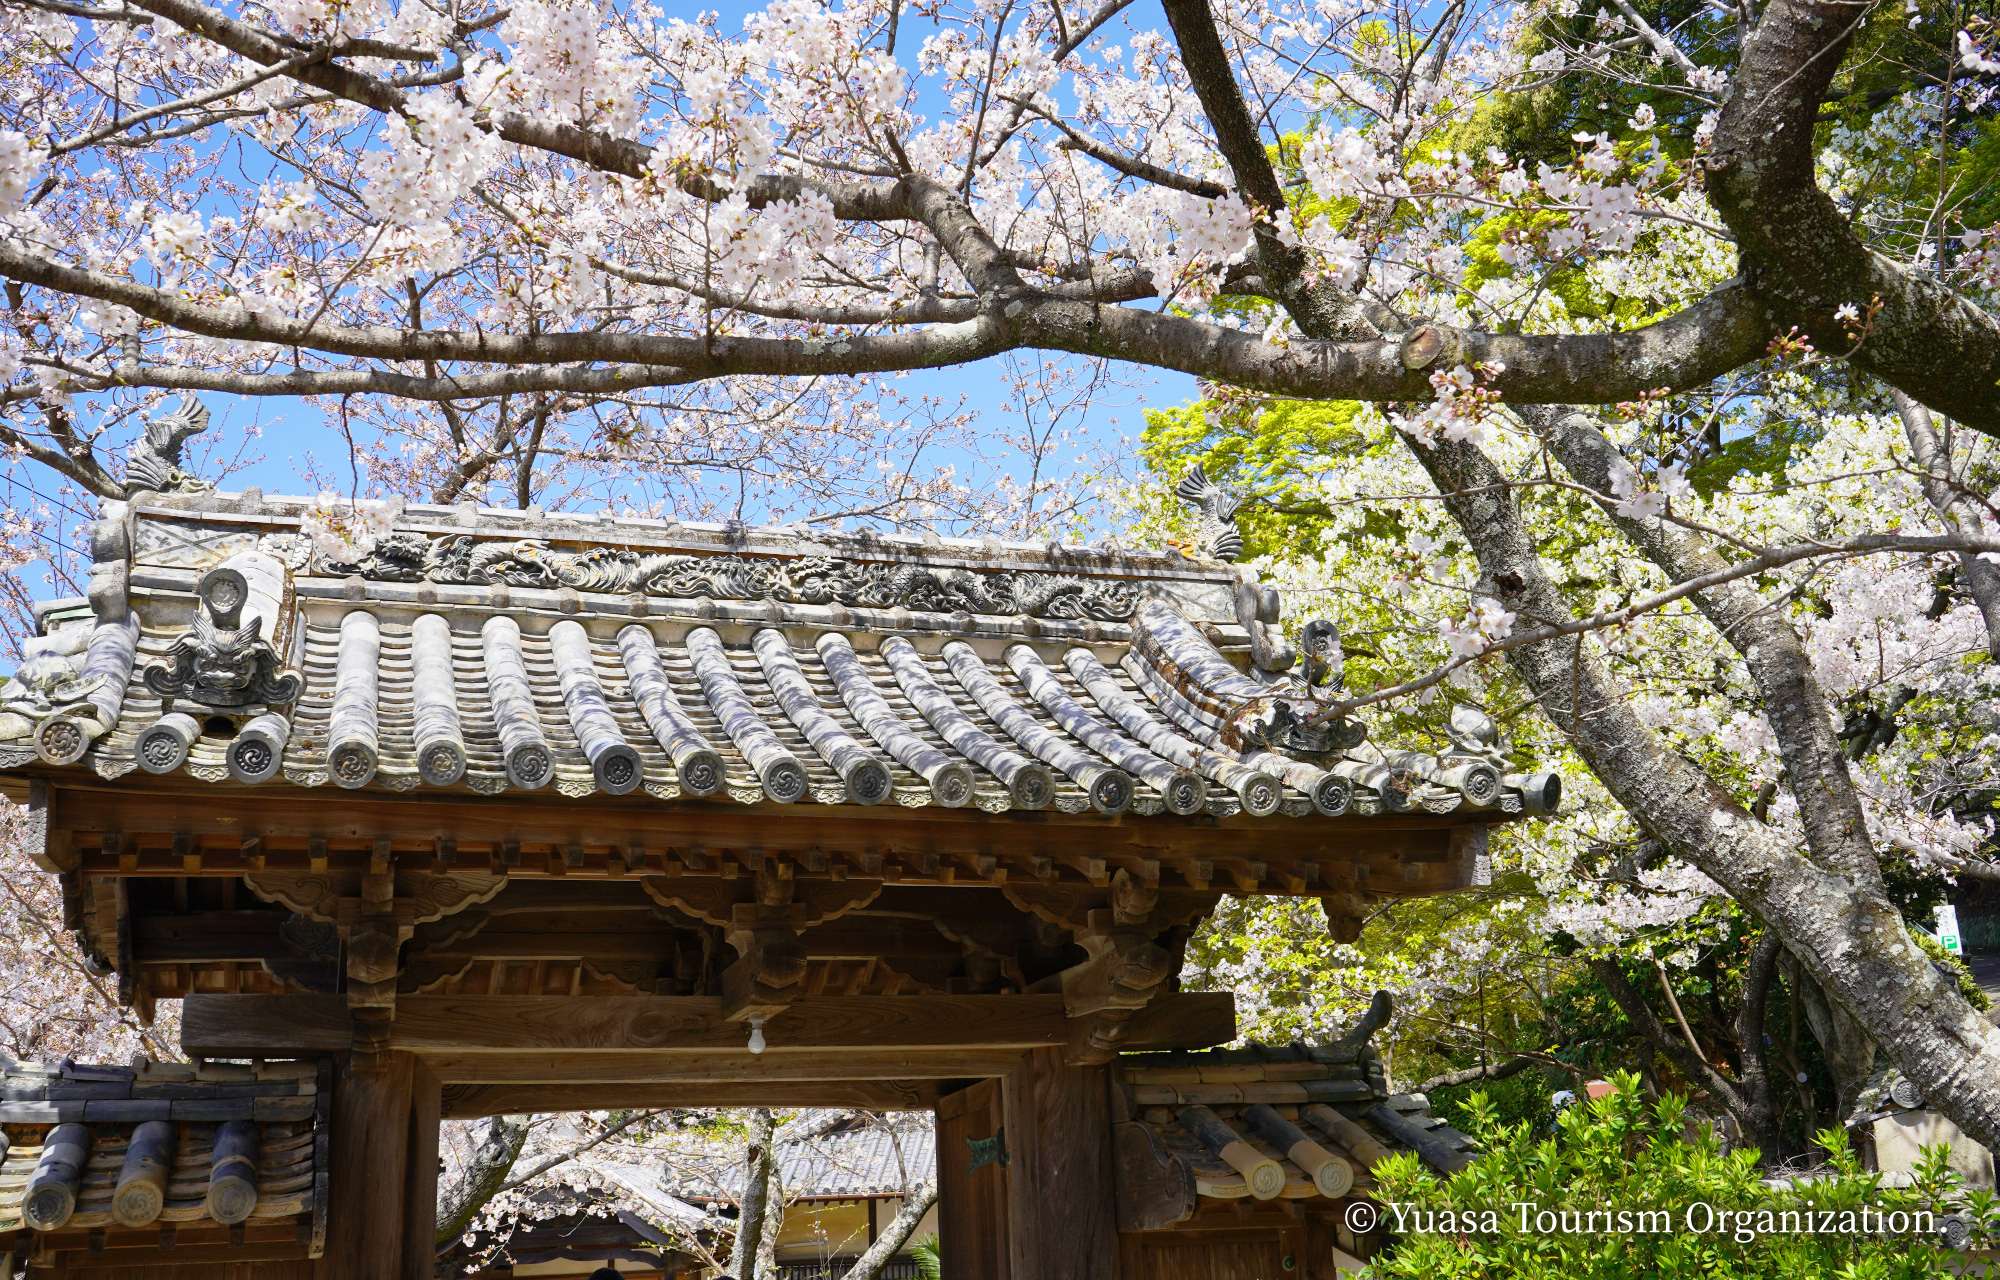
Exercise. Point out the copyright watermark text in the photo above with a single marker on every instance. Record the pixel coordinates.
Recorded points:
(1523, 1217)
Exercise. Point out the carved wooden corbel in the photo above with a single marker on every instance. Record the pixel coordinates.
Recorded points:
(1345, 913)
(424, 976)
(1130, 899)
(375, 913)
(810, 902)
(1127, 965)
(762, 917)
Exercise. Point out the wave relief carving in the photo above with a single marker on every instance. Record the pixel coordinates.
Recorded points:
(460, 559)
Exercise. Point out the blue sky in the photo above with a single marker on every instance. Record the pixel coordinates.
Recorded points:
(294, 434)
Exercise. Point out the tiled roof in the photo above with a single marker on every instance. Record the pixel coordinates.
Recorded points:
(1274, 1122)
(80, 1139)
(854, 1164)
(480, 650)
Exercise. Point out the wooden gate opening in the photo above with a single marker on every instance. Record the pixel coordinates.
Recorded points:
(512, 811)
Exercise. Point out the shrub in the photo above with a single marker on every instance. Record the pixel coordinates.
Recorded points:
(1619, 1190)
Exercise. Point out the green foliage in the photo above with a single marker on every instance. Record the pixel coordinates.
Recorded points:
(1524, 1098)
(929, 1261)
(1268, 454)
(1623, 1155)
(1955, 966)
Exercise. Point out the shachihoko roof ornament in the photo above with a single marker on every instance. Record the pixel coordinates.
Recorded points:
(482, 650)
(155, 461)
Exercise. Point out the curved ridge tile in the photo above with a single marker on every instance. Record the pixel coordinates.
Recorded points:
(436, 730)
(782, 774)
(1259, 792)
(1031, 785)
(1199, 724)
(353, 745)
(951, 782)
(1183, 790)
(1167, 641)
(1331, 793)
(1110, 789)
(111, 653)
(524, 748)
(614, 765)
(698, 765)
(867, 779)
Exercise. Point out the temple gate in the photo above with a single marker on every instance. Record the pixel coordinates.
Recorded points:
(517, 811)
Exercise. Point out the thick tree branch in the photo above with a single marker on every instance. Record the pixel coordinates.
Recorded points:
(916, 1204)
(483, 1177)
(1760, 1116)
(1321, 310)
(1689, 348)
(1485, 1071)
(1981, 577)
(1846, 933)
(1836, 829)
(1805, 255)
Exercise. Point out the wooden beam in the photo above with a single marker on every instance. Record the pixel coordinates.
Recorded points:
(738, 1068)
(244, 1026)
(289, 819)
(251, 1026)
(474, 1101)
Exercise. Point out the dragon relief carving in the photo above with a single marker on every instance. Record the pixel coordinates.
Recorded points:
(459, 558)
(223, 661)
(155, 461)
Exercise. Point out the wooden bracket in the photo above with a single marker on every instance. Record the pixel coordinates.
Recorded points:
(1126, 969)
(770, 967)
(1130, 900)
(1345, 913)
(805, 904)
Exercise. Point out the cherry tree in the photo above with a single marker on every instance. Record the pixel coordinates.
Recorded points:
(597, 238)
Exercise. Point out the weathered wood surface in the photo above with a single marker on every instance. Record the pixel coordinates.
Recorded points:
(369, 1156)
(196, 1251)
(974, 1222)
(420, 1176)
(1061, 1198)
(1152, 1188)
(736, 1068)
(474, 1101)
(1344, 854)
(272, 1026)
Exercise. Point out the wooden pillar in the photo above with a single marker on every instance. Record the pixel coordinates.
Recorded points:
(1062, 1219)
(383, 1166)
(420, 1176)
(972, 1202)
